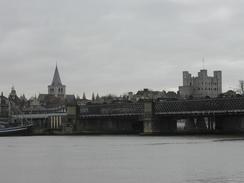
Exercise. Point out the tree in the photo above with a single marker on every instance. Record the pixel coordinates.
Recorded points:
(84, 96)
(93, 96)
(241, 85)
(97, 97)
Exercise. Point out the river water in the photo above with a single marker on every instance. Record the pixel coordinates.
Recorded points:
(117, 159)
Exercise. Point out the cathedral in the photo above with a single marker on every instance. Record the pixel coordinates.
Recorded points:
(56, 88)
(56, 93)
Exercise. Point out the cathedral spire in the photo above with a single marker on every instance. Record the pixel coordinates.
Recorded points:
(56, 78)
(56, 88)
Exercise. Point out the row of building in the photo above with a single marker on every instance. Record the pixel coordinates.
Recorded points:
(193, 87)
(57, 112)
(201, 86)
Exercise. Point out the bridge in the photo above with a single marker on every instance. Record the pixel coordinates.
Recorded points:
(148, 117)
(219, 114)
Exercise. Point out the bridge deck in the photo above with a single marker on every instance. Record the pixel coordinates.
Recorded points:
(180, 107)
(211, 105)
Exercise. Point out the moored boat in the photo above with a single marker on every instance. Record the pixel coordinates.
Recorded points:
(8, 130)
(12, 126)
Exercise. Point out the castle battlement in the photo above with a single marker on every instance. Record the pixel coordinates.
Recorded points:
(202, 85)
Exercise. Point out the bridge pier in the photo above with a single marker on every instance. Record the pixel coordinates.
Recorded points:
(167, 125)
(150, 124)
(211, 123)
(201, 123)
(154, 125)
(227, 124)
(190, 124)
(160, 126)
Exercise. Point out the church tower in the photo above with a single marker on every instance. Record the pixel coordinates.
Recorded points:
(56, 88)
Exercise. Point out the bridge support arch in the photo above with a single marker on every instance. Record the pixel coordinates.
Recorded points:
(190, 124)
(201, 123)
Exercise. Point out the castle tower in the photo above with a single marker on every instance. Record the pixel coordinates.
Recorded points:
(56, 88)
(202, 85)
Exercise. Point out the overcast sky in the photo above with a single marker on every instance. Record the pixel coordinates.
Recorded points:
(116, 46)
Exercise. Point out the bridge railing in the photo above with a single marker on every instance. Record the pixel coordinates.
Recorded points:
(108, 109)
(37, 116)
(180, 106)
(218, 104)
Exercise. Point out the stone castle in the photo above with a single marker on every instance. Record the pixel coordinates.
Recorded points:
(202, 85)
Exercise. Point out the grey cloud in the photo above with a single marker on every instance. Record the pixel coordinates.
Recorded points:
(112, 46)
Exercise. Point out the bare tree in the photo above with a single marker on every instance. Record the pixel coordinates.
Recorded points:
(93, 96)
(84, 96)
(241, 87)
